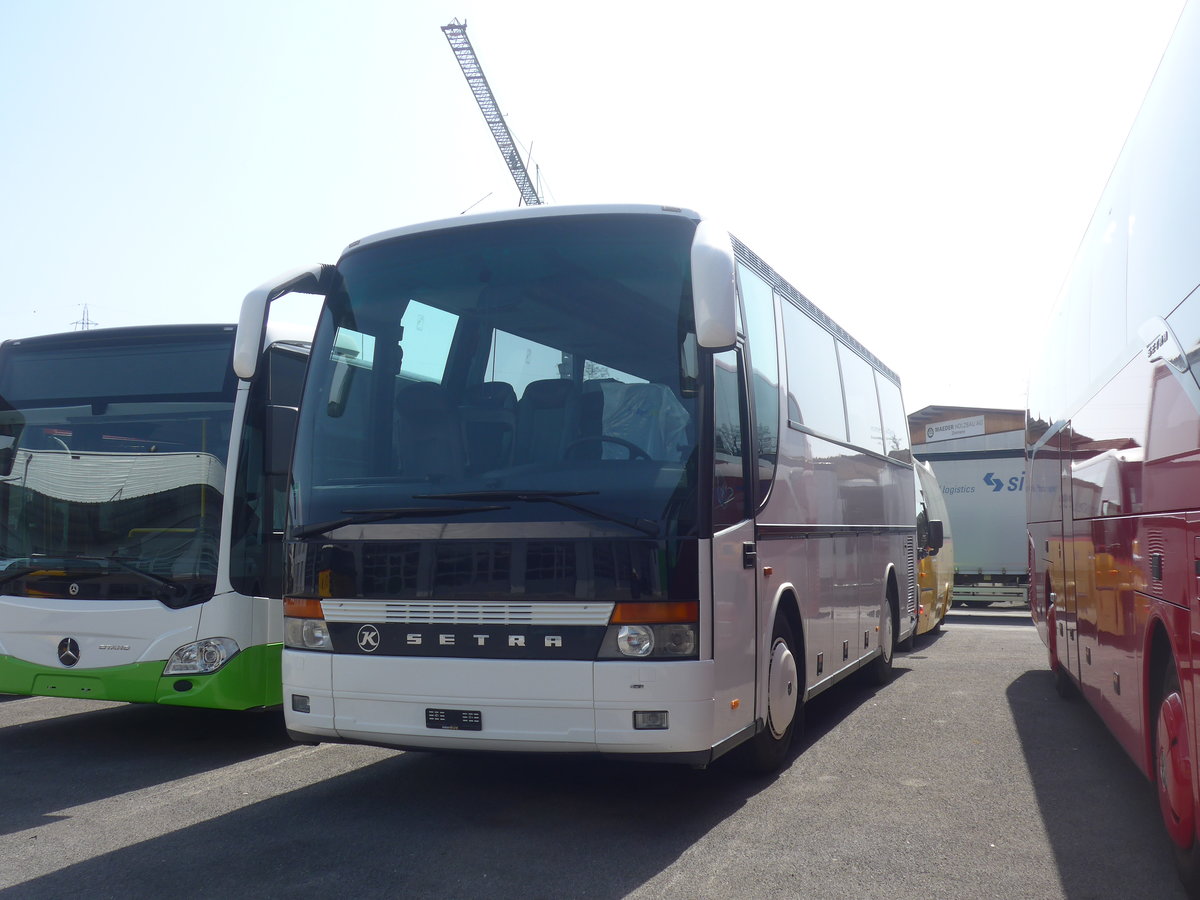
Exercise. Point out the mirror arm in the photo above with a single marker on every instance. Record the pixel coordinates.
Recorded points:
(252, 323)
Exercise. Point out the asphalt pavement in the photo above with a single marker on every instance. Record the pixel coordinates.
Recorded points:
(966, 777)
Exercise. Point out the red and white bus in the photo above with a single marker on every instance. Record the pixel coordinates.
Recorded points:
(585, 479)
(1114, 452)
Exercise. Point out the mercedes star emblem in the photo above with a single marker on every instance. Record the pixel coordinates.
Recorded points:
(68, 652)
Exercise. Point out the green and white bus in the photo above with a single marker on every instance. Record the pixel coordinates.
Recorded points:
(141, 514)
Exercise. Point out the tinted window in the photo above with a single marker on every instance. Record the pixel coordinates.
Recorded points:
(814, 397)
(729, 416)
(534, 354)
(895, 423)
(519, 361)
(182, 367)
(759, 304)
(862, 403)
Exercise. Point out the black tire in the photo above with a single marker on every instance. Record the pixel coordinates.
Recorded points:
(881, 667)
(766, 752)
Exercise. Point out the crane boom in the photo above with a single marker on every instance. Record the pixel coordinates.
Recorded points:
(456, 34)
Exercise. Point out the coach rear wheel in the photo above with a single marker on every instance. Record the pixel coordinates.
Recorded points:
(881, 667)
(766, 751)
(1173, 779)
(1173, 764)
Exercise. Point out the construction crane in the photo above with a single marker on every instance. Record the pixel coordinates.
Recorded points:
(456, 34)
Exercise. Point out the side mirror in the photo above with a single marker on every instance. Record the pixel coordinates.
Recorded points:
(252, 323)
(10, 436)
(936, 538)
(714, 287)
(279, 437)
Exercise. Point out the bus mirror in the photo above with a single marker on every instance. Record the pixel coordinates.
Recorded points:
(278, 439)
(252, 323)
(8, 447)
(935, 539)
(714, 292)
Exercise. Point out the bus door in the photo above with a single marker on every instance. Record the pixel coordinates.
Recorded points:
(734, 551)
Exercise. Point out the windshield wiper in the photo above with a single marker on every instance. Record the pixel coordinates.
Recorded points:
(41, 561)
(645, 526)
(362, 516)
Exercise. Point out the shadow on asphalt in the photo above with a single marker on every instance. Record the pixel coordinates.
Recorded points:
(412, 825)
(422, 825)
(1099, 811)
(110, 751)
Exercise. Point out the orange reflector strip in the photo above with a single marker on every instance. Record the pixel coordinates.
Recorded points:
(651, 613)
(302, 608)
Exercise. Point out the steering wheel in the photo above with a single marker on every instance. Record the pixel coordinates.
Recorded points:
(635, 452)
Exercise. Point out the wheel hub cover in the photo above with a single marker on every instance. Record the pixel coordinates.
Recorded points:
(782, 689)
(1174, 771)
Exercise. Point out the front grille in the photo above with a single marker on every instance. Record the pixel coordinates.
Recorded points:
(466, 613)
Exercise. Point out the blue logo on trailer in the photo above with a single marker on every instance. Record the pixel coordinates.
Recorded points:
(1016, 483)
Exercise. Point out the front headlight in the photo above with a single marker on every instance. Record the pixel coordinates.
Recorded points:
(202, 657)
(306, 634)
(672, 640)
(635, 640)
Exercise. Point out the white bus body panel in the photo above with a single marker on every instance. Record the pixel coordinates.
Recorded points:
(581, 706)
(130, 631)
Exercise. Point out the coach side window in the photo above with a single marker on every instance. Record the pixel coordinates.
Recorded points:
(814, 398)
(895, 424)
(862, 403)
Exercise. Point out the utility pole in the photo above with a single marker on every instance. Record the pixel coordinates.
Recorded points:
(84, 323)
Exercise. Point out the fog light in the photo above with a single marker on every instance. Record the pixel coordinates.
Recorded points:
(201, 657)
(650, 719)
(635, 640)
(299, 703)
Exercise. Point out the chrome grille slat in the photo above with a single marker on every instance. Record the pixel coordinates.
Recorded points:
(485, 612)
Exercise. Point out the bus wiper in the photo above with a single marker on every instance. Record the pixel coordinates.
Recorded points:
(362, 516)
(645, 526)
(39, 562)
(177, 590)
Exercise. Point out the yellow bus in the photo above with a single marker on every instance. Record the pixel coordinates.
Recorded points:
(935, 565)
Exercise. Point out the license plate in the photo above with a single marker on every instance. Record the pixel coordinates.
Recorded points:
(454, 719)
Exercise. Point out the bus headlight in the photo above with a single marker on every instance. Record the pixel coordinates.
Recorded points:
(652, 630)
(635, 640)
(201, 657)
(304, 625)
(306, 634)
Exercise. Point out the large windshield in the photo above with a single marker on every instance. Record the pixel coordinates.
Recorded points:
(534, 370)
(117, 471)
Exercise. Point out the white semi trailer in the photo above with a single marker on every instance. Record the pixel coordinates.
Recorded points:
(983, 482)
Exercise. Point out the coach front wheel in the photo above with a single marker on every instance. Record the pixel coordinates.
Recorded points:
(766, 751)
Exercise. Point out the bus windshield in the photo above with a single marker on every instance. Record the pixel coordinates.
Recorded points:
(534, 371)
(113, 486)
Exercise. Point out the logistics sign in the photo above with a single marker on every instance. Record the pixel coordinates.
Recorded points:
(993, 482)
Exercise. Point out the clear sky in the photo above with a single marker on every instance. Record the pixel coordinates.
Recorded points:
(923, 171)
